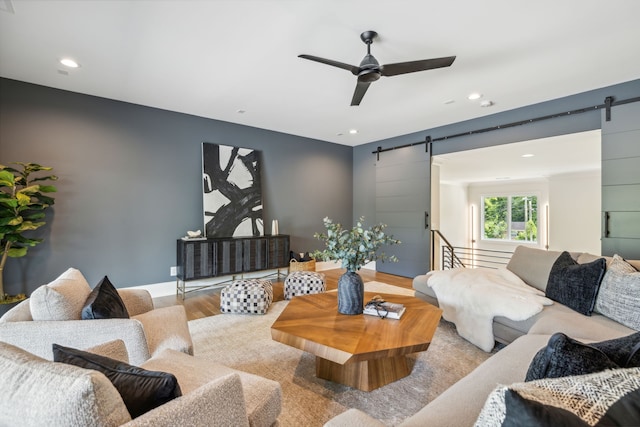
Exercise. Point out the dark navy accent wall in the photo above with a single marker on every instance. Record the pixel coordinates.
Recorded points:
(130, 182)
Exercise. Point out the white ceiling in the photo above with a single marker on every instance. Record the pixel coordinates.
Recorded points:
(213, 58)
(566, 154)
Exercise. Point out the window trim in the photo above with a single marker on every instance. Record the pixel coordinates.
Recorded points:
(509, 197)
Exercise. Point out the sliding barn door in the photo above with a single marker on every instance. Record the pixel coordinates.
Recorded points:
(403, 183)
(621, 182)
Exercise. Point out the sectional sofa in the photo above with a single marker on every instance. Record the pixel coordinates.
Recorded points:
(461, 404)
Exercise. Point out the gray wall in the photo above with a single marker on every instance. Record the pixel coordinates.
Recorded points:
(130, 182)
(363, 159)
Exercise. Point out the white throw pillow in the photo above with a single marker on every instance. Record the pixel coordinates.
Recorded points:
(61, 299)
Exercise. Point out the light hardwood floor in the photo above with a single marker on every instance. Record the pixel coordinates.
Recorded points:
(207, 302)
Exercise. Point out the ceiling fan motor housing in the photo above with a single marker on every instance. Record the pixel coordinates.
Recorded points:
(369, 69)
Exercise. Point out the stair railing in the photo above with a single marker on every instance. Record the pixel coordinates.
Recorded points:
(449, 257)
(456, 256)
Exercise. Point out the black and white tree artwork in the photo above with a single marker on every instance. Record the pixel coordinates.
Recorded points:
(232, 194)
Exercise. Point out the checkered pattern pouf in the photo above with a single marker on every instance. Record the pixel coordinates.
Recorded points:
(251, 296)
(303, 283)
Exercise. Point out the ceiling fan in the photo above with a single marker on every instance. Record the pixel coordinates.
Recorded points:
(370, 70)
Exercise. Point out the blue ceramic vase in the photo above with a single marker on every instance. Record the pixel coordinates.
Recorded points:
(350, 293)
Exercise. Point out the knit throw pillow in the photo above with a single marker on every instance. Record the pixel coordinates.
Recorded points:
(608, 398)
(619, 296)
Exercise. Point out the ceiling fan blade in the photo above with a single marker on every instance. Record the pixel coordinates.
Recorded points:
(361, 89)
(414, 66)
(354, 70)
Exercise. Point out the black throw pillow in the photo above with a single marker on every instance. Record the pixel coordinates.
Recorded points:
(575, 285)
(624, 351)
(104, 302)
(563, 357)
(521, 412)
(141, 390)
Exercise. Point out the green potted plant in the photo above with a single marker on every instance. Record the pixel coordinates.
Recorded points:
(353, 248)
(22, 206)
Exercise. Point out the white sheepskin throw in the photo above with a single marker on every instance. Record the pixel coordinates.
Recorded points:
(472, 297)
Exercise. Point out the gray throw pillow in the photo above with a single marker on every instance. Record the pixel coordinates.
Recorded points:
(575, 285)
(619, 297)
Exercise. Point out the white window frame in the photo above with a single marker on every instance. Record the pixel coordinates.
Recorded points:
(509, 197)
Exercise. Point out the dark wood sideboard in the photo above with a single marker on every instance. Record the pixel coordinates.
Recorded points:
(199, 259)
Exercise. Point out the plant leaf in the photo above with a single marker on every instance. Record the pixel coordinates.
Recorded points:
(17, 252)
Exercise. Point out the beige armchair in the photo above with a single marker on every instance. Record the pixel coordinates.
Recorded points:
(146, 333)
(38, 392)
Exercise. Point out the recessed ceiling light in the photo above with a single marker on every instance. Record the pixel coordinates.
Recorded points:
(474, 96)
(68, 62)
(353, 131)
(486, 103)
(241, 111)
(449, 101)
(527, 155)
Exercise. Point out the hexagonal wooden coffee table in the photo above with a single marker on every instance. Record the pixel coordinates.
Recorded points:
(361, 351)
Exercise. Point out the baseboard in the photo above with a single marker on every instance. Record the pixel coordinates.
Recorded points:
(164, 289)
(330, 265)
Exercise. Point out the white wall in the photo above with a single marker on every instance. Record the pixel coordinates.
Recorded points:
(454, 214)
(574, 207)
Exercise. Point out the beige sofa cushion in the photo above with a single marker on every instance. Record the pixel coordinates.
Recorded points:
(263, 397)
(37, 392)
(115, 349)
(460, 404)
(61, 299)
(533, 265)
(19, 313)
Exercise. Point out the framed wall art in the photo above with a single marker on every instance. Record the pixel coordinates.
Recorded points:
(232, 193)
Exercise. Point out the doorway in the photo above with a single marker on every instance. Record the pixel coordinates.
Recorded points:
(561, 174)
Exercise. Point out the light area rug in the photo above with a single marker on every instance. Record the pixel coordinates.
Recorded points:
(244, 342)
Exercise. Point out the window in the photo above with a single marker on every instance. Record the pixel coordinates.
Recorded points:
(511, 218)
